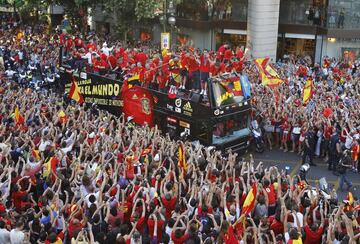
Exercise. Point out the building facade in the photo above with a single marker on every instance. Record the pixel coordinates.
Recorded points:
(273, 27)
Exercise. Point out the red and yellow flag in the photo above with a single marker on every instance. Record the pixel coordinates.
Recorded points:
(36, 154)
(307, 91)
(269, 76)
(62, 117)
(18, 118)
(249, 202)
(50, 166)
(182, 158)
(75, 94)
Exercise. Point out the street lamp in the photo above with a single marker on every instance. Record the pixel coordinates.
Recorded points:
(172, 22)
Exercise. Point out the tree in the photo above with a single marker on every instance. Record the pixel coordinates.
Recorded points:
(127, 12)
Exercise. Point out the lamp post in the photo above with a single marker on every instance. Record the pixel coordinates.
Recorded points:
(172, 22)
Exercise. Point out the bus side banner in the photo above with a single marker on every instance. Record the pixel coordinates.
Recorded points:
(102, 91)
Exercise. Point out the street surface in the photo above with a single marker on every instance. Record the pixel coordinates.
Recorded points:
(280, 159)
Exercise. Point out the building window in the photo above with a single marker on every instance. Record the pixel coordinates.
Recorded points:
(308, 12)
(344, 14)
(216, 10)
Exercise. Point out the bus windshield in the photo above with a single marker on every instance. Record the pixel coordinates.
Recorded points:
(230, 128)
(227, 91)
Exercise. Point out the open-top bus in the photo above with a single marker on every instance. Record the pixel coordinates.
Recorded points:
(221, 118)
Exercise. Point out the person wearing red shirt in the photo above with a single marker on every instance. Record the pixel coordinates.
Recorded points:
(194, 72)
(163, 81)
(285, 137)
(62, 38)
(91, 45)
(215, 69)
(177, 235)
(228, 54)
(314, 234)
(240, 53)
(74, 225)
(141, 57)
(221, 51)
(112, 61)
(100, 65)
(138, 219)
(270, 190)
(18, 194)
(184, 73)
(69, 44)
(79, 43)
(159, 219)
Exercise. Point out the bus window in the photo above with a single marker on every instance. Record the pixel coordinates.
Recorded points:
(230, 128)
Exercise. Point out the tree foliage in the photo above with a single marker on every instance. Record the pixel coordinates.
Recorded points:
(126, 13)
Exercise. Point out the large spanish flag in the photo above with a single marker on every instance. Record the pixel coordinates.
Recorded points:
(307, 91)
(269, 76)
(18, 118)
(75, 94)
(249, 202)
(182, 158)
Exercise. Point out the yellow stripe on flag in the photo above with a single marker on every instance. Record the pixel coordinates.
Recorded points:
(307, 91)
(249, 202)
(182, 158)
(18, 118)
(134, 77)
(74, 92)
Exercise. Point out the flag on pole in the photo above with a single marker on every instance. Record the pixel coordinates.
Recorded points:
(268, 74)
(18, 118)
(182, 158)
(307, 91)
(249, 202)
(75, 94)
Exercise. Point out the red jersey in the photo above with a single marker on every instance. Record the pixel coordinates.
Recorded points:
(151, 224)
(79, 43)
(169, 205)
(112, 61)
(92, 46)
(204, 64)
(193, 64)
(271, 194)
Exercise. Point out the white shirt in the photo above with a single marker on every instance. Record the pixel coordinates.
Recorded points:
(88, 57)
(106, 50)
(348, 142)
(4, 236)
(17, 236)
(43, 145)
(300, 217)
(88, 196)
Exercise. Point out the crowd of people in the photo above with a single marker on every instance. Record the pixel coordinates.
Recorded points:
(69, 175)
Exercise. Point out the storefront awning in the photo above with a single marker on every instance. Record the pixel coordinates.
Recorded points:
(299, 36)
